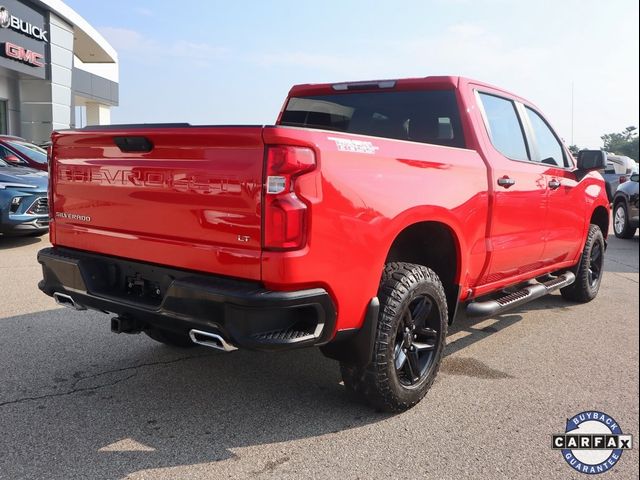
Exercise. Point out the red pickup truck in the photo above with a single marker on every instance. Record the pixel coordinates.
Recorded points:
(358, 223)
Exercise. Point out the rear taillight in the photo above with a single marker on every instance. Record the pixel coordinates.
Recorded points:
(623, 178)
(285, 215)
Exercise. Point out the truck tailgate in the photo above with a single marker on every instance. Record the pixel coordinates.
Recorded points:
(188, 197)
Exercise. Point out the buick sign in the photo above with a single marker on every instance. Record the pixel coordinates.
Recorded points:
(5, 18)
(11, 21)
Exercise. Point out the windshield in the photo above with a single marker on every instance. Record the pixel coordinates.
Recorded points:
(30, 150)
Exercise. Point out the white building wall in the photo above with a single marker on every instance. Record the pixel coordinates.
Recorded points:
(98, 114)
(61, 40)
(110, 71)
(46, 104)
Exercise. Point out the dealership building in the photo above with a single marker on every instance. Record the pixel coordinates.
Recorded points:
(56, 70)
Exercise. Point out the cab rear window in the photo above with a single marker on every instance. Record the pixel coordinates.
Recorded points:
(420, 116)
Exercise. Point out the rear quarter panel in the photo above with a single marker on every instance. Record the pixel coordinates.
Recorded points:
(363, 199)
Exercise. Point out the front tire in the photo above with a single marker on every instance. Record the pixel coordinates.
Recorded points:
(621, 226)
(589, 269)
(409, 342)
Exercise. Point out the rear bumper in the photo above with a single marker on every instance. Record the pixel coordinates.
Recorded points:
(244, 313)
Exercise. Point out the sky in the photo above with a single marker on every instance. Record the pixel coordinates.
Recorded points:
(233, 62)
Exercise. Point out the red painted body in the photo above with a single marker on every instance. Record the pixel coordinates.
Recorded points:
(195, 202)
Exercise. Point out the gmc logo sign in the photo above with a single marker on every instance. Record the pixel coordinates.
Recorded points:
(23, 55)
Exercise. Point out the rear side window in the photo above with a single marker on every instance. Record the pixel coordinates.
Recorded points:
(504, 127)
(549, 147)
(419, 116)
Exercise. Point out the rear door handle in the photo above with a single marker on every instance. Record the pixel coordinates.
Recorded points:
(506, 182)
(554, 184)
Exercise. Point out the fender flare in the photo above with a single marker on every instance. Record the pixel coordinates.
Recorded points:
(424, 214)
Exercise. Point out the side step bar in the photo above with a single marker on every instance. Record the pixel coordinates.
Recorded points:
(493, 307)
(211, 340)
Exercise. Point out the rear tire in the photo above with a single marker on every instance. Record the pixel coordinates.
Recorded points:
(589, 270)
(409, 342)
(621, 226)
(173, 339)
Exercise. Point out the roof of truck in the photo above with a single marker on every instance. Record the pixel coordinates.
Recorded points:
(436, 81)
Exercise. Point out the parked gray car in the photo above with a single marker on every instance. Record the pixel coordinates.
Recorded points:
(625, 208)
(24, 206)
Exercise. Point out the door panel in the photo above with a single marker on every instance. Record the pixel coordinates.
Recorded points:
(518, 225)
(566, 207)
(516, 237)
(565, 217)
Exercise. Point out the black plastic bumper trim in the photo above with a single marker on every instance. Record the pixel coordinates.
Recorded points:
(355, 346)
(243, 312)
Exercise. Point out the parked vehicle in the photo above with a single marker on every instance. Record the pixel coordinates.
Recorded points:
(617, 171)
(358, 223)
(24, 206)
(625, 208)
(17, 151)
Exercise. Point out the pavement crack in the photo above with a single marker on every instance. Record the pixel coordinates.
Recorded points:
(135, 367)
(613, 260)
(622, 276)
(70, 392)
(75, 389)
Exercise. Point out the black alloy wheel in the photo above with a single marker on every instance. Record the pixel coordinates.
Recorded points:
(417, 340)
(589, 270)
(595, 265)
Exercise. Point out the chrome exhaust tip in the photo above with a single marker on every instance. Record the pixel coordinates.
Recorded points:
(66, 301)
(211, 340)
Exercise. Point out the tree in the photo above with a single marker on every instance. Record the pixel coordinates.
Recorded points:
(623, 143)
(574, 149)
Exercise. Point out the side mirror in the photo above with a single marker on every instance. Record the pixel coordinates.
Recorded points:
(592, 160)
(634, 177)
(12, 159)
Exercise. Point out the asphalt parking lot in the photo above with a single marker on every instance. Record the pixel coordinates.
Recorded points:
(77, 401)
